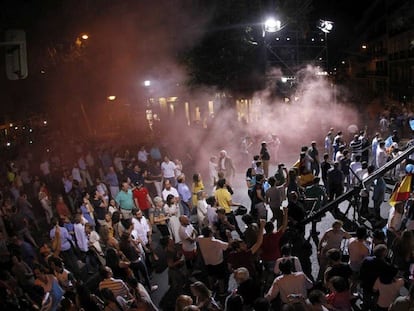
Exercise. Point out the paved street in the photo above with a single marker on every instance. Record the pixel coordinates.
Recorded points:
(240, 195)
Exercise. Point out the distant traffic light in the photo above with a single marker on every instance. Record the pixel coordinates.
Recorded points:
(16, 55)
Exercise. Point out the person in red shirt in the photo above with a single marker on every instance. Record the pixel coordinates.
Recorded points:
(142, 199)
(61, 208)
(270, 249)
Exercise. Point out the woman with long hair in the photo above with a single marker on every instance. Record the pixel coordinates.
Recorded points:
(172, 210)
(203, 297)
(118, 263)
(196, 187)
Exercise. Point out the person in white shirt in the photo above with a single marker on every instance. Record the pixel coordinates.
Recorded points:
(76, 173)
(102, 189)
(172, 209)
(80, 234)
(168, 170)
(201, 208)
(86, 177)
(188, 239)
(142, 228)
(328, 144)
(381, 156)
(355, 166)
(178, 168)
(211, 211)
(142, 155)
(212, 170)
(363, 173)
(394, 223)
(374, 146)
(93, 239)
(82, 241)
(169, 189)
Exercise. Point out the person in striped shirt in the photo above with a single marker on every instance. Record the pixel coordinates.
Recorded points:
(117, 286)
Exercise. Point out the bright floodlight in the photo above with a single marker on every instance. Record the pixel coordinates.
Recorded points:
(111, 97)
(85, 36)
(325, 26)
(147, 83)
(272, 25)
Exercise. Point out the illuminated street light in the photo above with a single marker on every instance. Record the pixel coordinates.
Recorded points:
(272, 25)
(364, 46)
(44, 122)
(147, 83)
(81, 40)
(325, 26)
(111, 97)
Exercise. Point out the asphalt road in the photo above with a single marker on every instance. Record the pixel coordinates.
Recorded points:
(240, 195)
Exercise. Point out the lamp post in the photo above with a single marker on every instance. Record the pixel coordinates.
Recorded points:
(269, 26)
(326, 27)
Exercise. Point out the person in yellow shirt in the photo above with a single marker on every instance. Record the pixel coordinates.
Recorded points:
(224, 201)
(197, 186)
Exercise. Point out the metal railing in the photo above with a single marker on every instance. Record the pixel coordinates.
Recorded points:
(350, 195)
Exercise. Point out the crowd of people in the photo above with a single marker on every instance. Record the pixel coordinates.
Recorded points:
(90, 230)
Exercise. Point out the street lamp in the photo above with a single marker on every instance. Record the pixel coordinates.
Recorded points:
(326, 27)
(111, 97)
(147, 83)
(81, 40)
(271, 25)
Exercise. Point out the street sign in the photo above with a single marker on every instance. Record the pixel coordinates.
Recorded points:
(16, 54)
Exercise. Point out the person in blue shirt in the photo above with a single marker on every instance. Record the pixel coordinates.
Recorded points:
(63, 245)
(87, 209)
(185, 195)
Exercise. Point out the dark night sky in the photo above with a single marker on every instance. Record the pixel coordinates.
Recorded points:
(45, 27)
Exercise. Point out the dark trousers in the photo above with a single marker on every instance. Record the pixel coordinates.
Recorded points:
(232, 219)
(71, 261)
(140, 267)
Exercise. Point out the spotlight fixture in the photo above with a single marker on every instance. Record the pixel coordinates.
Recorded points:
(272, 25)
(325, 26)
